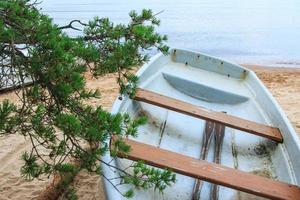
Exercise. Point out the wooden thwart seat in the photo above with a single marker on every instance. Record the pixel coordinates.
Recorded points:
(211, 172)
(202, 113)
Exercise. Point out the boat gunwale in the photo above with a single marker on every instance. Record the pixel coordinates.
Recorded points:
(288, 133)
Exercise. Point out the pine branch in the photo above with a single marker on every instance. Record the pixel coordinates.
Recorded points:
(52, 112)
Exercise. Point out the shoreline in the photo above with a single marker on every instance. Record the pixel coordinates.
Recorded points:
(284, 85)
(260, 67)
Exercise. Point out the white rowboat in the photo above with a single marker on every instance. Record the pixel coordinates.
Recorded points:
(214, 86)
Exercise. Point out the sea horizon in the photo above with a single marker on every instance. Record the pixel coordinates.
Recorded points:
(249, 32)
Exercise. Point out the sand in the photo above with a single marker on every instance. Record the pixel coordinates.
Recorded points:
(283, 83)
(13, 187)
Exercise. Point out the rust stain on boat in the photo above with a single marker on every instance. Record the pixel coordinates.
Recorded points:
(244, 74)
(263, 172)
(150, 118)
(173, 55)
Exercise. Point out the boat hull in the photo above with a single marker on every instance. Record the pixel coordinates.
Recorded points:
(218, 85)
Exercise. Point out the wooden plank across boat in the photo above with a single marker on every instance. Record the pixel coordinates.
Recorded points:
(219, 117)
(211, 172)
(255, 146)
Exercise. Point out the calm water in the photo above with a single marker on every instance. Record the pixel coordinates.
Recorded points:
(244, 31)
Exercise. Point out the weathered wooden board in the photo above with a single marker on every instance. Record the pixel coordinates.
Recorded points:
(211, 172)
(202, 113)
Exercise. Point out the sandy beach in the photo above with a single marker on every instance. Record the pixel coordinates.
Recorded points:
(284, 84)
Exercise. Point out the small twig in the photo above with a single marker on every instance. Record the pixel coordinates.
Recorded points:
(158, 13)
(70, 25)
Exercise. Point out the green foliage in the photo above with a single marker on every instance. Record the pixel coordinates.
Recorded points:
(8, 119)
(129, 193)
(30, 169)
(67, 173)
(52, 113)
(145, 177)
(70, 194)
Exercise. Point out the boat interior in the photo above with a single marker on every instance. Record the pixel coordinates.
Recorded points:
(218, 87)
